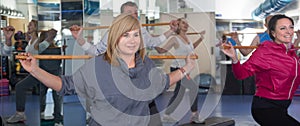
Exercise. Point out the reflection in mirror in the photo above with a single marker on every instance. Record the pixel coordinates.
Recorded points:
(37, 31)
(20, 81)
(72, 14)
(49, 43)
(92, 15)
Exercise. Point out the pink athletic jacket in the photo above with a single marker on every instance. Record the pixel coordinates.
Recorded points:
(276, 71)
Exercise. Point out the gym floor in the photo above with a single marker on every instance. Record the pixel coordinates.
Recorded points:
(236, 107)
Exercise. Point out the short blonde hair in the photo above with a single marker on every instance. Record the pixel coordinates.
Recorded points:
(122, 24)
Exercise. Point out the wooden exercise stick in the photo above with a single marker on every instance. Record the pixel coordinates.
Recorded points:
(232, 33)
(105, 27)
(56, 57)
(190, 33)
(170, 57)
(8, 29)
(248, 47)
(240, 47)
(193, 33)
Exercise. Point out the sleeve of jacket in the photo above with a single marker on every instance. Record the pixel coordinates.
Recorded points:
(256, 63)
(151, 41)
(97, 49)
(73, 84)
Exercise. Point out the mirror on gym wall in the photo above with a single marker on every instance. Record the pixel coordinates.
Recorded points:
(56, 17)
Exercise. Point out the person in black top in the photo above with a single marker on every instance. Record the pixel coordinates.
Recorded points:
(20, 43)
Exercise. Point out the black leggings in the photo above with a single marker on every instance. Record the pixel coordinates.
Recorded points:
(155, 117)
(267, 112)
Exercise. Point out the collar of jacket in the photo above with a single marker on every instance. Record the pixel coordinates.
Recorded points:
(132, 72)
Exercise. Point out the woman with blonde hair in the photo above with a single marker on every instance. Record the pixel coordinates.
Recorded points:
(120, 83)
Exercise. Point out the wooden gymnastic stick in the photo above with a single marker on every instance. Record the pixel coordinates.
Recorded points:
(170, 57)
(248, 47)
(56, 57)
(95, 27)
(240, 47)
(156, 24)
(193, 33)
(105, 27)
(9, 29)
(190, 33)
(232, 33)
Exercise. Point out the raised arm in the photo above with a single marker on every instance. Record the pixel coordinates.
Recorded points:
(198, 41)
(297, 40)
(173, 26)
(77, 34)
(8, 33)
(51, 34)
(171, 43)
(86, 46)
(230, 52)
(182, 72)
(255, 42)
(154, 41)
(97, 49)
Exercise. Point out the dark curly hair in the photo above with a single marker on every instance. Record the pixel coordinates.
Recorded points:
(19, 36)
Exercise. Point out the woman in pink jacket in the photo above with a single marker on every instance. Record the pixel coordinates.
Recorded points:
(277, 68)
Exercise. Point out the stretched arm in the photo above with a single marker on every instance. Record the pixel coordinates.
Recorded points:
(173, 26)
(179, 74)
(154, 41)
(86, 46)
(46, 78)
(297, 41)
(97, 49)
(160, 50)
(255, 42)
(48, 41)
(199, 40)
(167, 46)
(230, 52)
(51, 35)
(8, 33)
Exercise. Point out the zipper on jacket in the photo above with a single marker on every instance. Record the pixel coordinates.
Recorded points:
(296, 72)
